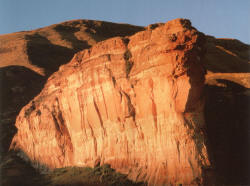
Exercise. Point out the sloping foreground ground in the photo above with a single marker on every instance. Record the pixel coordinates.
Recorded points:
(227, 98)
(16, 172)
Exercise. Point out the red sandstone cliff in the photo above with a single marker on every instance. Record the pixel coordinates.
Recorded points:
(134, 103)
(28, 58)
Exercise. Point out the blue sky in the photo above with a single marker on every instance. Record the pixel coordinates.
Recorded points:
(220, 18)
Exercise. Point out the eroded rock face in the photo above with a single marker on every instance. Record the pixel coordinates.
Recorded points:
(28, 58)
(134, 103)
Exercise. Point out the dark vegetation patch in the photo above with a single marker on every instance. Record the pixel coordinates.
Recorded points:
(16, 172)
(98, 176)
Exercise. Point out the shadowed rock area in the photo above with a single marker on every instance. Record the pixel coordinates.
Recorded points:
(227, 56)
(227, 117)
(18, 86)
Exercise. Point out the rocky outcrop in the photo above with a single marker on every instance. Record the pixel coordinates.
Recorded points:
(28, 58)
(132, 102)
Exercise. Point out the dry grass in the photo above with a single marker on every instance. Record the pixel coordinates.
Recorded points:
(44, 50)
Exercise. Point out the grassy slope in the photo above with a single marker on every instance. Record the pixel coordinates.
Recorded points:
(44, 50)
(227, 56)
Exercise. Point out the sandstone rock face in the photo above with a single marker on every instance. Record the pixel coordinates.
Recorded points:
(28, 58)
(133, 102)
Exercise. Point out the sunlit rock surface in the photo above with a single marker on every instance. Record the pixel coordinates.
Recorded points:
(135, 103)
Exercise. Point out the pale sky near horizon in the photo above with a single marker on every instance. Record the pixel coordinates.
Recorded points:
(219, 18)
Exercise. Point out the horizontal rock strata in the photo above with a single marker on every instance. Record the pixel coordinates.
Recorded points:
(132, 102)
